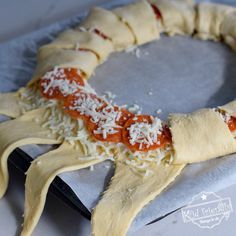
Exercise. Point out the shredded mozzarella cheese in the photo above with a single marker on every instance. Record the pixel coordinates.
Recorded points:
(106, 117)
(107, 122)
(135, 108)
(30, 98)
(144, 133)
(85, 104)
(58, 79)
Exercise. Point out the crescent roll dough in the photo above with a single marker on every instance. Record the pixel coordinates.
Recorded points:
(9, 104)
(209, 19)
(228, 30)
(12, 105)
(40, 175)
(200, 136)
(75, 39)
(64, 58)
(127, 194)
(178, 16)
(141, 20)
(230, 108)
(25, 130)
(109, 24)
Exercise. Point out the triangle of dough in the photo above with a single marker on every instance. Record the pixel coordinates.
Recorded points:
(21, 131)
(40, 175)
(127, 194)
(10, 104)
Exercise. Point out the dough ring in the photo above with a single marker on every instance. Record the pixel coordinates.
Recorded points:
(59, 107)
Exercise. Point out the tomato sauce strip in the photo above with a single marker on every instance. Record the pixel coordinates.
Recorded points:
(156, 11)
(105, 122)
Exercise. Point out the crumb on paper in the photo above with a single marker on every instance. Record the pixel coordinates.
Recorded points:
(109, 95)
(135, 108)
(159, 111)
(135, 50)
(82, 29)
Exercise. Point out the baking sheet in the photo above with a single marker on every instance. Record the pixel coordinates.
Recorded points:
(182, 75)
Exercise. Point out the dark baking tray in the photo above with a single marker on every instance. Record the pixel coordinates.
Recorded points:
(58, 188)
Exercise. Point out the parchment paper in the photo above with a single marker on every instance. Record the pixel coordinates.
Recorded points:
(182, 75)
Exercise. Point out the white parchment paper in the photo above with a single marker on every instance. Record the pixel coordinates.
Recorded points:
(173, 74)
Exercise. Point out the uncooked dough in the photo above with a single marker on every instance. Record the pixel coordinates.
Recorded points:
(21, 131)
(64, 58)
(141, 20)
(228, 29)
(126, 195)
(9, 105)
(178, 16)
(230, 108)
(200, 136)
(109, 24)
(42, 172)
(76, 39)
(209, 19)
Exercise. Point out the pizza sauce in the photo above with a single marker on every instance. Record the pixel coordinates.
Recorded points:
(106, 122)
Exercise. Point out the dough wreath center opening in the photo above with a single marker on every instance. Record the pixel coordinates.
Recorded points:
(177, 74)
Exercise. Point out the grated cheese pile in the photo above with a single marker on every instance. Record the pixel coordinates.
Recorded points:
(75, 132)
(144, 133)
(135, 108)
(30, 98)
(135, 50)
(104, 114)
(142, 163)
(61, 82)
(87, 105)
(107, 121)
(105, 117)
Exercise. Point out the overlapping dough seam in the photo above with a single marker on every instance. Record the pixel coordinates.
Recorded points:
(64, 58)
(200, 136)
(129, 27)
(181, 21)
(80, 43)
(228, 30)
(89, 24)
(141, 36)
(210, 19)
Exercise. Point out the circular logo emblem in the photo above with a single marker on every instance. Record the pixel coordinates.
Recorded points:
(207, 210)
